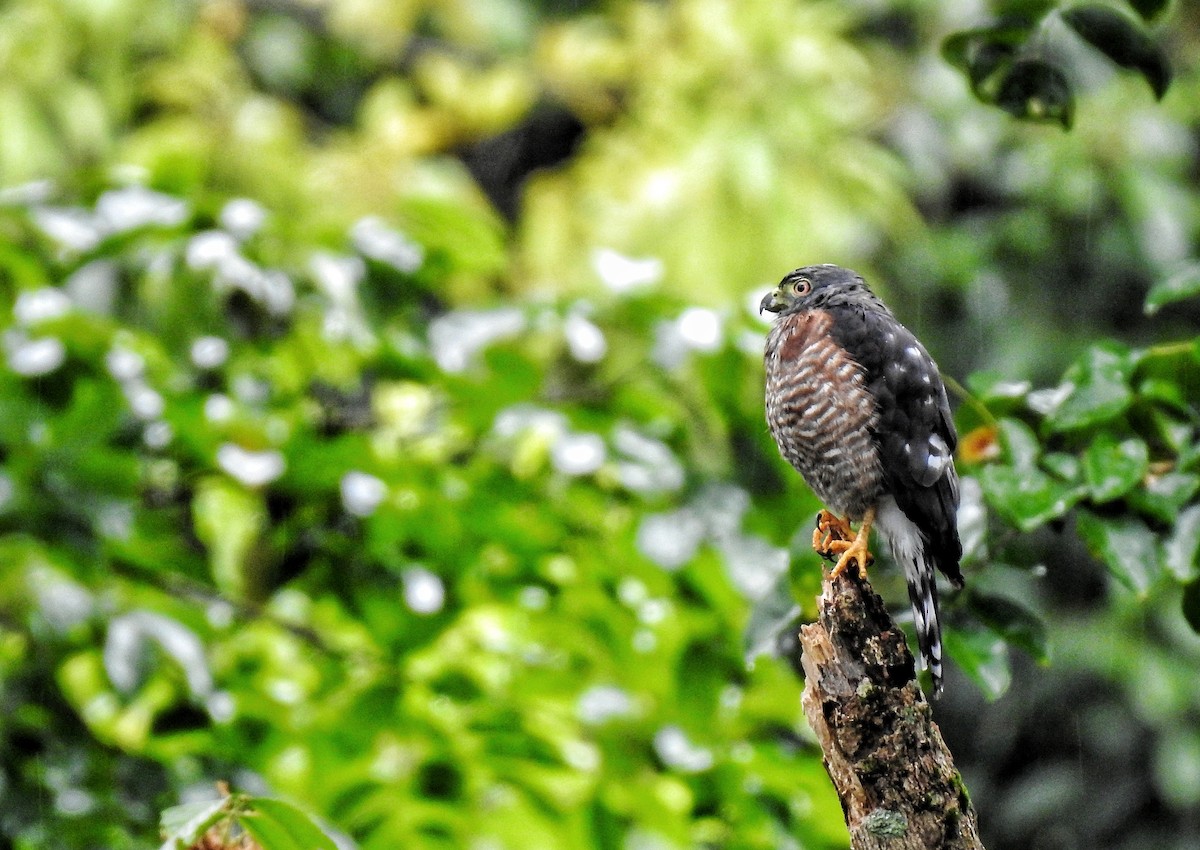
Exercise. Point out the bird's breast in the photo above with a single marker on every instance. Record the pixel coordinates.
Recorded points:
(821, 412)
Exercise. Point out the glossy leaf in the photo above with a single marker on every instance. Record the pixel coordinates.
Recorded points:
(1097, 389)
(1021, 446)
(1026, 498)
(1036, 90)
(1123, 40)
(1114, 468)
(1123, 544)
(1181, 555)
(277, 825)
(1178, 286)
(1063, 465)
(983, 657)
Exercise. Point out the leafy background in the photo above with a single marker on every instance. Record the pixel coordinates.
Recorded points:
(382, 421)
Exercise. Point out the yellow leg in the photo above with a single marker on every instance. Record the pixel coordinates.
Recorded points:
(854, 551)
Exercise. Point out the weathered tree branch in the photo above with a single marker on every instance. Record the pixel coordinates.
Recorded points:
(891, 769)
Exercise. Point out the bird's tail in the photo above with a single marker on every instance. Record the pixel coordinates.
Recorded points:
(921, 578)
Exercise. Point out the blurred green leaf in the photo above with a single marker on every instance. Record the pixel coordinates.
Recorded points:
(183, 825)
(1021, 445)
(1163, 496)
(228, 520)
(1180, 285)
(980, 53)
(1182, 549)
(1123, 40)
(983, 657)
(1063, 465)
(277, 825)
(1012, 621)
(1114, 468)
(1098, 389)
(1026, 498)
(1123, 544)
(1036, 90)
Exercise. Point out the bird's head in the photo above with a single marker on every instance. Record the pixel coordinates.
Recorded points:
(812, 287)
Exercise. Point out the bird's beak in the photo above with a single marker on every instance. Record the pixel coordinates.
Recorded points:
(773, 301)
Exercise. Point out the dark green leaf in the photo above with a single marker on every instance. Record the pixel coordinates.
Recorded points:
(184, 824)
(1012, 621)
(1191, 604)
(1098, 389)
(1026, 499)
(1164, 391)
(277, 825)
(982, 53)
(1123, 40)
(1037, 90)
(983, 657)
(1112, 469)
(1123, 544)
(961, 48)
(1184, 283)
(1149, 9)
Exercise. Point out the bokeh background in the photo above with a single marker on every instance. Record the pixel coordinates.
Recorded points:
(381, 415)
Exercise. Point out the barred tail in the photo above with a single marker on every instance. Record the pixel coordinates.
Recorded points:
(913, 553)
(922, 593)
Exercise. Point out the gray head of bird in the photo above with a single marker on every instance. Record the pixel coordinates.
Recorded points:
(813, 287)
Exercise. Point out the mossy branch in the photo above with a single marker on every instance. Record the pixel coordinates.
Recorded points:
(895, 777)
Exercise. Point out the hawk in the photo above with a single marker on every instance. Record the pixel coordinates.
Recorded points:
(858, 407)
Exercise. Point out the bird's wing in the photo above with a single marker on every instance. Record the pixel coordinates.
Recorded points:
(915, 430)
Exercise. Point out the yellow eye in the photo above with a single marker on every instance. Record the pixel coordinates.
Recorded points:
(803, 286)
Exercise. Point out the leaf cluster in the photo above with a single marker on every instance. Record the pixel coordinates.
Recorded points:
(1028, 64)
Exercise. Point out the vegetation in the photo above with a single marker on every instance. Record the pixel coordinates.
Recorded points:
(381, 418)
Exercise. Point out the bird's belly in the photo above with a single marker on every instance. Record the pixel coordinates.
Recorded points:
(822, 416)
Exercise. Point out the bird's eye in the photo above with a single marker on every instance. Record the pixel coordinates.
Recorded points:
(803, 286)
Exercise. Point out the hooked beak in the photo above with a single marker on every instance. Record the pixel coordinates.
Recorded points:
(773, 301)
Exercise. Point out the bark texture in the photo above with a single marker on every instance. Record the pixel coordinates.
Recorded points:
(892, 771)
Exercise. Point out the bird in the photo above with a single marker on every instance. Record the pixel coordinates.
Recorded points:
(859, 408)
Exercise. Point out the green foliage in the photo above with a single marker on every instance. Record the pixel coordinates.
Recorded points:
(321, 477)
(1025, 63)
(1112, 447)
(437, 580)
(271, 824)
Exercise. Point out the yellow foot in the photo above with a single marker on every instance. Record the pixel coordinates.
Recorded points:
(831, 535)
(855, 550)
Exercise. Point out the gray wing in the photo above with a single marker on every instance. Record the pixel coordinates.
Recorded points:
(915, 432)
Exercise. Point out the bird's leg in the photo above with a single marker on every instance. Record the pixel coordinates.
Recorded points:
(854, 550)
(829, 532)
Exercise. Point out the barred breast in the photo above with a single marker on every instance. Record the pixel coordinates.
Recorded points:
(821, 414)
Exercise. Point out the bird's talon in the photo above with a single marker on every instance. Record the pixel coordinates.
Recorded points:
(850, 547)
(832, 536)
